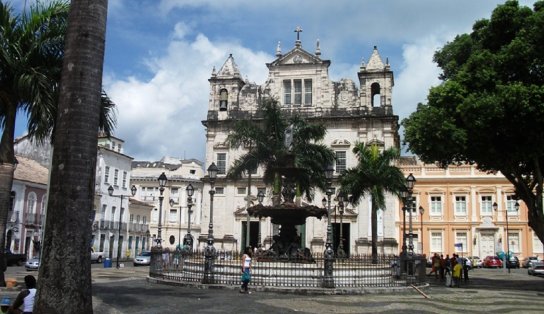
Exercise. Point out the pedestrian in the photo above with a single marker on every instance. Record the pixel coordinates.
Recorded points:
(465, 270)
(246, 270)
(448, 265)
(4, 305)
(435, 264)
(456, 275)
(25, 298)
(442, 266)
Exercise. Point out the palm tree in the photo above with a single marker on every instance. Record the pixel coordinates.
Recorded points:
(30, 58)
(268, 146)
(66, 268)
(30, 64)
(375, 174)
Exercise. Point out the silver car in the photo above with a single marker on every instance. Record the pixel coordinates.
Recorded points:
(536, 268)
(143, 258)
(32, 264)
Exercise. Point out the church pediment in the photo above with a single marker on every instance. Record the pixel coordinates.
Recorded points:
(297, 56)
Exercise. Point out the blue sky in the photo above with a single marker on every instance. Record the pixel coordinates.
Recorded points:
(160, 54)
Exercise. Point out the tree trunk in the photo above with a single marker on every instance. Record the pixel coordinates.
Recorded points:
(7, 168)
(64, 284)
(374, 219)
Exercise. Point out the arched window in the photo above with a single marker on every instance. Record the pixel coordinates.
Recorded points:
(223, 99)
(375, 94)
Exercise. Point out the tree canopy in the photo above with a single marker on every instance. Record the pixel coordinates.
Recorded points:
(489, 108)
(264, 137)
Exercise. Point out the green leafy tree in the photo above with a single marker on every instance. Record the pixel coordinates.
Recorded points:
(65, 273)
(375, 175)
(489, 109)
(31, 54)
(265, 141)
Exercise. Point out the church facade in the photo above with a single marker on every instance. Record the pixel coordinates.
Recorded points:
(352, 112)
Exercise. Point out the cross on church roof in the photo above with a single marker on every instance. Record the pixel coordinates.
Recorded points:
(298, 30)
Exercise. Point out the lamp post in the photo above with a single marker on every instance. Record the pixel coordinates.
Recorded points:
(188, 237)
(410, 181)
(507, 255)
(119, 244)
(209, 252)
(421, 212)
(404, 197)
(340, 252)
(260, 199)
(328, 280)
(162, 183)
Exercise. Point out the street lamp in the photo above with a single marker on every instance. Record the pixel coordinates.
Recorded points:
(340, 252)
(328, 280)
(421, 212)
(507, 255)
(189, 238)
(410, 181)
(404, 197)
(110, 192)
(162, 183)
(260, 199)
(209, 252)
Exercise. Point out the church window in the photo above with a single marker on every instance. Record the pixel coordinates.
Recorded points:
(297, 92)
(221, 163)
(287, 92)
(223, 99)
(375, 94)
(340, 161)
(308, 92)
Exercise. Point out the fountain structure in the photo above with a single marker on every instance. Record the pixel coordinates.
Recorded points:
(287, 214)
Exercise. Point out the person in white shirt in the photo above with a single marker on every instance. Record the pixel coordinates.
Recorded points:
(25, 298)
(246, 270)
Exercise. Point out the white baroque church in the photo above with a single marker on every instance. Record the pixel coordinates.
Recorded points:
(352, 113)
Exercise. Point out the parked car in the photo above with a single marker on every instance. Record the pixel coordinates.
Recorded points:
(475, 261)
(467, 261)
(15, 259)
(492, 262)
(528, 261)
(512, 262)
(32, 264)
(96, 256)
(143, 258)
(536, 269)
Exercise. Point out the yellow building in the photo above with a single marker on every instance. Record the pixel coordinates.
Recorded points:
(464, 206)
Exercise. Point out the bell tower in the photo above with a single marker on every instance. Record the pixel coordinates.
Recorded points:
(225, 86)
(376, 81)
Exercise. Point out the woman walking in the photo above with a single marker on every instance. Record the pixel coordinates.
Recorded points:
(246, 270)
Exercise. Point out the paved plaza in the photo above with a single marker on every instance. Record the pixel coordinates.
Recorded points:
(489, 291)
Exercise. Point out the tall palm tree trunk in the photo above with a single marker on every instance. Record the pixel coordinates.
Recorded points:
(374, 223)
(7, 168)
(65, 273)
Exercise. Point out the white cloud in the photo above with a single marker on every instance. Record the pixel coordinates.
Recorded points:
(162, 116)
(417, 75)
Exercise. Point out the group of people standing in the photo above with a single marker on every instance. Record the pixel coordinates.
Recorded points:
(452, 270)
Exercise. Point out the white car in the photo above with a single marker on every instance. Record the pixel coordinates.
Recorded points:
(536, 268)
(32, 264)
(143, 258)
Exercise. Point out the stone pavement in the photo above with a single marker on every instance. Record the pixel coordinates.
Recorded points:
(489, 290)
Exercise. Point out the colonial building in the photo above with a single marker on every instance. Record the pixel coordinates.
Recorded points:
(173, 214)
(464, 206)
(111, 232)
(27, 215)
(352, 112)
